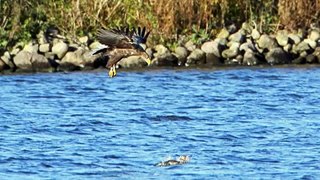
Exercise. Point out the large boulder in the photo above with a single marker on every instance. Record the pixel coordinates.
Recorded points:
(223, 34)
(282, 38)
(311, 43)
(28, 61)
(215, 47)
(190, 46)
(181, 53)
(239, 36)
(160, 50)
(247, 46)
(250, 58)
(255, 34)
(302, 46)
(73, 60)
(196, 57)
(277, 56)
(40, 63)
(246, 27)
(167, 59)
(32, 48)
(60, 49)
(212, 59)
(232, 51)
(314, 35)
(266, 42)
(44, 48)
(294, 38)
(23, 60)
(132, 62)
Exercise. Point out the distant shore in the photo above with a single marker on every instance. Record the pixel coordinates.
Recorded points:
(244, 46)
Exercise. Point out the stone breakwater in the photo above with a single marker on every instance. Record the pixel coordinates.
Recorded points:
(246, 46)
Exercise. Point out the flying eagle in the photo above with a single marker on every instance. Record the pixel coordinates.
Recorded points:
(120, 43)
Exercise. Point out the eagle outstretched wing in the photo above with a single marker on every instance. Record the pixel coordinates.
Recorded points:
(113, 39)
(123, 37)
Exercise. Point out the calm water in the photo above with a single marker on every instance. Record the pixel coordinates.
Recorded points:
(234, 123)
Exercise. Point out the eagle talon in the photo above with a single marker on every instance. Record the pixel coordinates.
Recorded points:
(111, 73)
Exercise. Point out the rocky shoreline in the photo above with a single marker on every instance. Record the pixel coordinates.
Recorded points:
(246, 46)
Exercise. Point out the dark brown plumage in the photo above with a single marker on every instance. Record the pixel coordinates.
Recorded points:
(120, 43)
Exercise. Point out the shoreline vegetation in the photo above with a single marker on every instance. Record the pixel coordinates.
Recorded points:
(54, 35)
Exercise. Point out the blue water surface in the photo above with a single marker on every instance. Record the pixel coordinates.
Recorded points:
(242, 123)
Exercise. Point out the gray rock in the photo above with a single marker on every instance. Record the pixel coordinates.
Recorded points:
(94, 45)
(212, 59)
(60, 49)
(311, 58)
(132, 62)
(255, 34)
(73, 60)
(246, 27)
(267, 42)
(208, 47)
(287, 48)
(8, 59)
(218, 46)
(223, 34)
(302, 46)
(84, 39)
(41, 38)
(239, 36)
(230, 53)
(15, 51)
(247, 45)
(44, 48)
(303, 54)
(299, 60)
(250, 58)
(282, 38)
(181, 53)
(311, 43)
(190, 46)
(234, 45)
(32, 48)
(160, 50)
(40, 62)
(238, 59)
(167, 59)
(294, 38)
(23, 60)
(316, 53)
(314, 35)
(277, 56)
(196, 57)
(90, 61)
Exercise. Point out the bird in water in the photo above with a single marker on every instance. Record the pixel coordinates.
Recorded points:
(180, 160)
(120, 43)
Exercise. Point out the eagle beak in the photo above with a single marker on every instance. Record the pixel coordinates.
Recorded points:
(148, 60)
